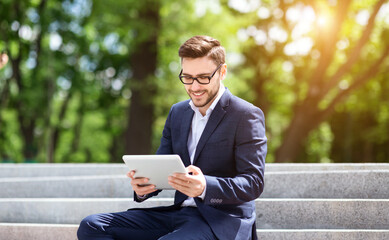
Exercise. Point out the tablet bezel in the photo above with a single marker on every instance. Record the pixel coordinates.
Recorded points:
(157, 168)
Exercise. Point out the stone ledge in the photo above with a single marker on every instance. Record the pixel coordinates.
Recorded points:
(22, 231)
(78, 169)
(371, 184)
(318, 234)
(271, 213)
(29, 231)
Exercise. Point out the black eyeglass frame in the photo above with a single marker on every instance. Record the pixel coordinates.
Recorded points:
(196, 78)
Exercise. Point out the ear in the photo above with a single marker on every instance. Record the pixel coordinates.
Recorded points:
(223, 71)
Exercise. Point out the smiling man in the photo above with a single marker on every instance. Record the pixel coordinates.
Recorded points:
(221, 140)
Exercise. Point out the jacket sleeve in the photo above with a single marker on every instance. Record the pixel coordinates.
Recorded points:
(166, 140)
(250, 150)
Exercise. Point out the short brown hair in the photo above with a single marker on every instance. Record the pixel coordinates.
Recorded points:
(201, 46)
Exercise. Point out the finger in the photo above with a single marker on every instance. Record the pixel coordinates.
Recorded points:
(182, 180)
(179, 184)
(139, 181)
(131, 174)
(144, 189)
(196, 172)
(180, 175)
(185, 178)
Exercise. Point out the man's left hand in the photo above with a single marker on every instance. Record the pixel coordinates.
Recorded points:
(191, 183)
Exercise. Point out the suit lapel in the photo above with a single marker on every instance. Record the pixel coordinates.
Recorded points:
(216, 116)
(185, 129)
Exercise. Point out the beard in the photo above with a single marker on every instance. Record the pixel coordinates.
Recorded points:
(211, 96)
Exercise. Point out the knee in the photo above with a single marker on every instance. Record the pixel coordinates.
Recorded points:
(88, 227)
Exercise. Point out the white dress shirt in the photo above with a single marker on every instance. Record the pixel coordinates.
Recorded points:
(198, 124)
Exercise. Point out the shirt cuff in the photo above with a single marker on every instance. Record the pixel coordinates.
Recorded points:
(203, 194)
(141, 197)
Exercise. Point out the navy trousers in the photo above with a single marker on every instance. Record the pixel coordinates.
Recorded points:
(146, 224)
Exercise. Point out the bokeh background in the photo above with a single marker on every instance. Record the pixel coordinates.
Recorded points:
(89, 81)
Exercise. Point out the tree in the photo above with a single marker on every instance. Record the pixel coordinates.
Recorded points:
(46, 47)
(323, 76)
(144, 64)
(86, 77)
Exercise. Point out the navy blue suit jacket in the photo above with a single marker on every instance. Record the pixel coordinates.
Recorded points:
(231, 154)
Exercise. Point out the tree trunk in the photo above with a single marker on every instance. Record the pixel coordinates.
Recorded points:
(293, 139)
(144, 64)
(139, 131)
(304, 121)
(309, 116)
(30, 148)
(54, 135)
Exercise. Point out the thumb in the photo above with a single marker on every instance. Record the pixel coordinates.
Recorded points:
(194, 170)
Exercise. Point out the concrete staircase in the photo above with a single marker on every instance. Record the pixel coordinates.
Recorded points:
(300, 201)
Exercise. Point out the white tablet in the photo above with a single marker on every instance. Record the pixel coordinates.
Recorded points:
(157, 168)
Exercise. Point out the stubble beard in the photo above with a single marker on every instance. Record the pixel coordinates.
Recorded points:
(208, 100)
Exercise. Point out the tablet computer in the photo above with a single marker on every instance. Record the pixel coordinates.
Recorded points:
(157, 168)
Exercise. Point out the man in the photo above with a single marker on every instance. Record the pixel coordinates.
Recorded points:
(221, 139)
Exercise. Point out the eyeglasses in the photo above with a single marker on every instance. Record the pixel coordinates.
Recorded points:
(188, 80)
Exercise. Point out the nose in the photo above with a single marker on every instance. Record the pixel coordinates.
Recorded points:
(195, 86)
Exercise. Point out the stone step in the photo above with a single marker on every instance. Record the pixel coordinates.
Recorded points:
(32, 231)
(104, 186)
(271, 213)
(60, 169)
(276, 167)
(369, 184)
(319, 234)
(21, 231)
(74, 169)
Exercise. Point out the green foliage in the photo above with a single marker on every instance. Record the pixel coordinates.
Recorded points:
(66, 92)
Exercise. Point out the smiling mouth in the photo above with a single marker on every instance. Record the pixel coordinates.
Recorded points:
(198, 94)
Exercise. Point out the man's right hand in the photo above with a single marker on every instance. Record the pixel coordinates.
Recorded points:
(137, 182)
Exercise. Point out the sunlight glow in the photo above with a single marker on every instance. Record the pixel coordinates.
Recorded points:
(383, 14)
(301, 13)
(26, 33)
(304, 17)
(321, 21)
(278, 34)
(242, 35)
(202, 6)
(263, 13)
(287, 66)
(15, 26)
(301, 29)
(55, 41)
(324, 19)
(117, 84)
(293, 14)
(343, 84)
(301, 47)
(362, 17)
(260, 37)
(342, 44)
(278, 13)
(244, 6)
(235, 59)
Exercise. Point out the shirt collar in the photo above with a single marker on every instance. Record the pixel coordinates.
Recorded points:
(220, 93)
